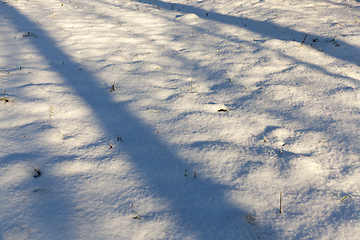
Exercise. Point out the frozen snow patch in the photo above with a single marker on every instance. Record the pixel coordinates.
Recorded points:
(307, 169)
(190, 18)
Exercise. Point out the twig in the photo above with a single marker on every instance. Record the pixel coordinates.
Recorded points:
(280, 201)
(303, 41)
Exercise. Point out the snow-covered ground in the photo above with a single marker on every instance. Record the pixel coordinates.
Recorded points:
(216, 108)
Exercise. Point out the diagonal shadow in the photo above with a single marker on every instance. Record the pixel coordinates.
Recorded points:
(190, 200)
(261, 27)
(257, 26)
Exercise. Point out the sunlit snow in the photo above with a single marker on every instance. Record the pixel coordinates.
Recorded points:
(154, 119)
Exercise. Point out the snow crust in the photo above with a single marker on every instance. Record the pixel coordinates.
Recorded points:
(179, 120)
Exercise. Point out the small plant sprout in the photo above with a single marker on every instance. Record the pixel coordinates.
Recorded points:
(250, 218)
(5, 99)
(314, 41)
(37, 172)
(51, 111)
(112, 88)
(333, 41)
(192, 87)
(30, 34)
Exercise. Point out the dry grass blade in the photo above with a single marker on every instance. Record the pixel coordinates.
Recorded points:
(5, 99)
(345, 197)
(1, 70)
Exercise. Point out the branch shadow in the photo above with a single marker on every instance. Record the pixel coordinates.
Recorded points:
(284, 34)
(261, 27)
(161, 168)
(166, 169)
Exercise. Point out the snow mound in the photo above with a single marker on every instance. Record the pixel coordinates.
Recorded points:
(190, 18)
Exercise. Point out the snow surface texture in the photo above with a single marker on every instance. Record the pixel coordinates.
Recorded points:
(215, 108)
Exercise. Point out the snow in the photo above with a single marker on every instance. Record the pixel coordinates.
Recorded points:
(219, 106)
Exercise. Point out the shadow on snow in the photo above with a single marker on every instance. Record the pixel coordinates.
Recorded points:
(190, 200)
